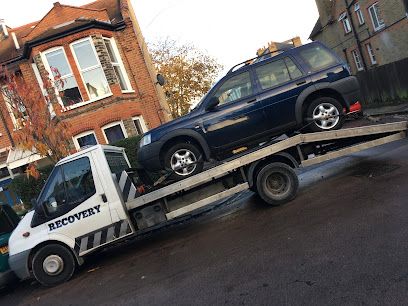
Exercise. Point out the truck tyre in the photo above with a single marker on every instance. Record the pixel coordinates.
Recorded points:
(325, 114)
(182, 155)
(277, 183)
(53, 264)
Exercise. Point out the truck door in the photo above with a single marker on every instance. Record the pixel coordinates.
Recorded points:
(74, 205)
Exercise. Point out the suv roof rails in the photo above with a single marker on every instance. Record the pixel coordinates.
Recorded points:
(251, 60)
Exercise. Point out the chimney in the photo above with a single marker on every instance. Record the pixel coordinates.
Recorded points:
(3, 29)
(16, 44)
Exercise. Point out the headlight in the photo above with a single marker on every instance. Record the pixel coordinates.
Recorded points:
(147, 139)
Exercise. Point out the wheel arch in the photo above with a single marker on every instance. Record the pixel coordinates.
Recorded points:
(78, 260)
(183, 136)
(310, 94)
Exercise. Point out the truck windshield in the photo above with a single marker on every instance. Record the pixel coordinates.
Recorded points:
(116, 161)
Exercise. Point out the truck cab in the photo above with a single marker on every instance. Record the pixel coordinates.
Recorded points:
(78, 210)
(8, 222)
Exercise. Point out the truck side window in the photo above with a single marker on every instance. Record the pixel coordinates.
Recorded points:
(79, 183)
(53, 195)
(68, 186)
(235, 88)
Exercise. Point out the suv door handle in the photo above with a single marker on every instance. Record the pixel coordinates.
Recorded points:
(104, 199)
(252, 101)
(301, 83)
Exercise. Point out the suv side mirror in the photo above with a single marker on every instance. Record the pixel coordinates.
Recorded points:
(212, 104)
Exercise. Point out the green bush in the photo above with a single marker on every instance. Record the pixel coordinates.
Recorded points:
(28, 188)
(131, 146)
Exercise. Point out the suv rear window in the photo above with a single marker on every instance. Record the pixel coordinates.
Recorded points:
(318, 58)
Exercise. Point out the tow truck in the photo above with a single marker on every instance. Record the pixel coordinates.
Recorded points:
(92, 198)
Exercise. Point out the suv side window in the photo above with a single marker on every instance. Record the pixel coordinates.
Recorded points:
(70, 184)
(237, 87)
(277, 73)
(317, 57)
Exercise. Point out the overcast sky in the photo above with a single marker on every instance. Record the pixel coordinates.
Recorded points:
(229, 30)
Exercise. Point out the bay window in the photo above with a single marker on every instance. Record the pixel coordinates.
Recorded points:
(58, 65)
(117, 64)
(91, 69)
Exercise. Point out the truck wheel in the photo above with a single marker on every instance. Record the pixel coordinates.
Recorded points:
(325, 114)
(185, 159)
(53, 264)
(277, 183)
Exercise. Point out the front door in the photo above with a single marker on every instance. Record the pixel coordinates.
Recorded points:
(74, 206)
(239, 115)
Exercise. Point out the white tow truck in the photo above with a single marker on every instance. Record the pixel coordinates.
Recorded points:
(91, 200)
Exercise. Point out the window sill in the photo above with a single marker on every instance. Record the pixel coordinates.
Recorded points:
(68, 108)
(379, 29)
(128, 91)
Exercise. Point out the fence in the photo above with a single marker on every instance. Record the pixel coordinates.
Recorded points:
(384, 85)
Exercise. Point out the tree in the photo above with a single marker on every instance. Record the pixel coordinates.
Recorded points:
(189, 73)
(35, 122)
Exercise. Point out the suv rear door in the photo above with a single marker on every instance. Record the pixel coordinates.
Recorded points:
(280, 82)
(239, 115)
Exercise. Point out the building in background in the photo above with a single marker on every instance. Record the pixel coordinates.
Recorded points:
(275, 47)
(365, 33)
(110, 90)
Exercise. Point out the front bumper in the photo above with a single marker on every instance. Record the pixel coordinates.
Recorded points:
(19, 264)
(148, 156)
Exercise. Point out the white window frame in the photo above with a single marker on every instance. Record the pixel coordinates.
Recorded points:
(142, 123)
(373, 11)
(359, 13)
(43, 90)
(357, 60)
(51, 76)
(371, 54)
(119, 64)
(99, 65)
(346, 22)
(120, 123)
(16, 125)
(83, 134)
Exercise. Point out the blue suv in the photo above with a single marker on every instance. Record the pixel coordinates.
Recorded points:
(305, 87)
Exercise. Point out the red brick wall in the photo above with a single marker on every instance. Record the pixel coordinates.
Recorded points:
(118, 107)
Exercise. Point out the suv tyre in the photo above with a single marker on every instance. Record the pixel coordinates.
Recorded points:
(325, 114)
(184, 159)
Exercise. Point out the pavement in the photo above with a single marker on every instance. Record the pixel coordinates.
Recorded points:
(386, 110)
(342, 241)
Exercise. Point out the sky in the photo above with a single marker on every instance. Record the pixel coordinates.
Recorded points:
(231, 31)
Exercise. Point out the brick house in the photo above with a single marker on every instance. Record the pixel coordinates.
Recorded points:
(110, 90)
(366, 33)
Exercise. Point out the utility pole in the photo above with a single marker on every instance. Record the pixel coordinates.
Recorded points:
(360, 49)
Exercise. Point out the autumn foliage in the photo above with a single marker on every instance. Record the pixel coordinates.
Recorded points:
(36, 126)
(189, 73)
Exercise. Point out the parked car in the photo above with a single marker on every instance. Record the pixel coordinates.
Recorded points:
(308, 86)
(8, 222)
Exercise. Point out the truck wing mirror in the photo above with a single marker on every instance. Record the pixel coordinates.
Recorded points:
(214, 101)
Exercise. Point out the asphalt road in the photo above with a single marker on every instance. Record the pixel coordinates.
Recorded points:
(342, 241)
